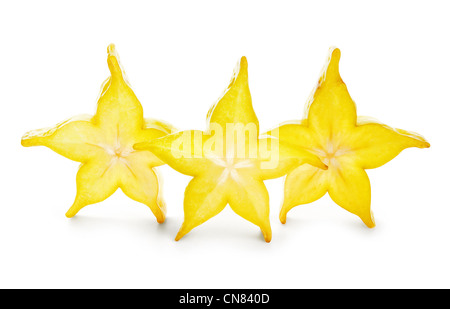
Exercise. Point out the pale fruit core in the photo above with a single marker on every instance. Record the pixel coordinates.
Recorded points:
(330, 153)
(230, 166)
(118, 153)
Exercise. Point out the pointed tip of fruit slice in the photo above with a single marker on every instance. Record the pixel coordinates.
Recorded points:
(422, 143)
(112, 52)
(283, 215)
(335, 57)
(267, 235)
(335, 53)
(26, 142)
(113, 62)
(241, 70)
(70, 214)
(368, 220)
(370, 224)
(243, 62)
(111, 48)
(184, 229)
(160, 220)
(331, 69)
(180, 234)
(34, 138)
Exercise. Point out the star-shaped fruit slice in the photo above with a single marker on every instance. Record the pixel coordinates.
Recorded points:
(347, 144)
(103, 143)
(229, 161)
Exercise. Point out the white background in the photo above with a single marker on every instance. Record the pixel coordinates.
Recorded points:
(179, 56)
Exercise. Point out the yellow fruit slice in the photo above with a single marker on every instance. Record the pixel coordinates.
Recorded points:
(103, 143)
(229, 161)
(347, 144)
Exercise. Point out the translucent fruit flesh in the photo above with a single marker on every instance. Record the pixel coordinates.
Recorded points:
(347, 144)
(228, 168)
(103, 143)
